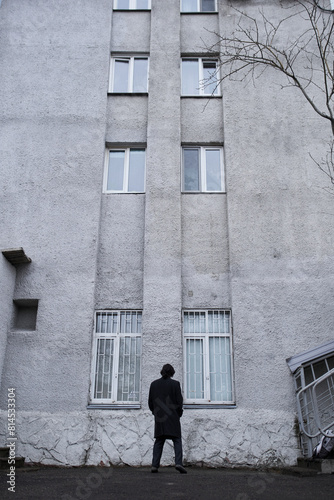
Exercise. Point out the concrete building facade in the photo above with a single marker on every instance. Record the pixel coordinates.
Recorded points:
(145, 219)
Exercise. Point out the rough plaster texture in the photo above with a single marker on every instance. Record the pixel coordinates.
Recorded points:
(198, 32)
(126, 118)
(280, 233)
(130, 32)
(52, 142)
(126, 438)
(120, 258)
(207, 129)
(162, 262)
(201, 224)
(264, 249)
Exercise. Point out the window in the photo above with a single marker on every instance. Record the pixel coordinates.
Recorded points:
(125, 171)
(117, 354)
(208, 357)
(129, 74)
(132, 4)
(203, 169)
(200, 77)
(198, 5)
(310, 372)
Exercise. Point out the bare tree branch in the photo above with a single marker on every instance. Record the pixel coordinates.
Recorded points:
(307, 60)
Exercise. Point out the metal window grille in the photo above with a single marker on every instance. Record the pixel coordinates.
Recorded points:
(208, 356)
(315, 401)
(117, 356)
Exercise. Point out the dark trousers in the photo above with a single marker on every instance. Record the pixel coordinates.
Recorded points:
(159, 445)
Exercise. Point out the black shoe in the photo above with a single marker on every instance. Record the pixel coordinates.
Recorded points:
(181, 469)
(154, 469)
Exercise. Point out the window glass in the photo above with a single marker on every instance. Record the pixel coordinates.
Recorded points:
(218, 322)
(220, 369)
(142, 4)
(330, 362)
(189, 6)
(128, 369)
(308, 374)
(213, 170)
(137, 170)
(123, 4)
(319, 368)
(104, 367)
(130, 322)
(208, 5)
(195, 376)
(194, 322)
(132, 4)
(116, 171)
(298, 381)
(191, 169)
(209, 82)
(190, 77)
(121, 72)
(106, 322)
(140, 75)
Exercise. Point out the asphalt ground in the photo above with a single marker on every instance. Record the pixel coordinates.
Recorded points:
(138, 483)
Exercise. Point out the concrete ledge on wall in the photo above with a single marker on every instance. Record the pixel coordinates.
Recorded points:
(113, 407)
(189, 406)
(16, 256)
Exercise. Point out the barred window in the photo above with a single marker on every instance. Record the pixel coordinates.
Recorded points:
(117, 356)
(208, 357)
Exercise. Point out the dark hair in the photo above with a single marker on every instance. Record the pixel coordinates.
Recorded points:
(167, 371)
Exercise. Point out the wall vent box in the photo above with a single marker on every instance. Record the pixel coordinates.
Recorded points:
(25, 314)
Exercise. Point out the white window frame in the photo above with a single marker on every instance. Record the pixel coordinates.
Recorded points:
(132, 5)
(115, 369)
(126, 166)
(206, 400)
(130, 59)
(202, 169)
(202, 86)
(199, 4)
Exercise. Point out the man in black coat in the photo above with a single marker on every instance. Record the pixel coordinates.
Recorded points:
(165, 402)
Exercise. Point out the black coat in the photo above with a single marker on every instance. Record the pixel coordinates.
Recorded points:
(165, 402)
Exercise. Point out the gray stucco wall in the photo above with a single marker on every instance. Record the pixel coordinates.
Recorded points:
(264, 248)
(280, 232)
(52, 141)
